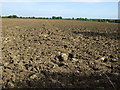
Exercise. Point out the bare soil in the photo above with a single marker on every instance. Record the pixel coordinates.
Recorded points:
(60, 54)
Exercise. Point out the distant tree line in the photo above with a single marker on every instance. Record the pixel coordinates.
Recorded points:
(59, 17)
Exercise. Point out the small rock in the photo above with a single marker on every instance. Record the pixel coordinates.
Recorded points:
(110, 66)
(59, 53)
(113, 60)
(78, 71)
(64, 56)
(117, 74)
(104, 59)
(33, 76)
(6, 64)
(74, 59)
(16, 27)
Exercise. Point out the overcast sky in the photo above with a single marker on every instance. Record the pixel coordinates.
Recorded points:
(70, 8)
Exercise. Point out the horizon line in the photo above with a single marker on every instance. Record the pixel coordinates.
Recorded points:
(56, 16)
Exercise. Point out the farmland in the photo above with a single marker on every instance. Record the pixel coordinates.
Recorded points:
(60, 53)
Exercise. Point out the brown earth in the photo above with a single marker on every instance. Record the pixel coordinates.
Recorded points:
(60, 53)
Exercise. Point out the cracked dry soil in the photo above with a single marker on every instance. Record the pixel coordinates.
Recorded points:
(60, 53)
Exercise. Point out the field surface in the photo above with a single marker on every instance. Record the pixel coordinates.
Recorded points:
(60, 53)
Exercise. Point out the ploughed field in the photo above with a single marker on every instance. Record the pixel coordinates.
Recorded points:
(60, 53)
